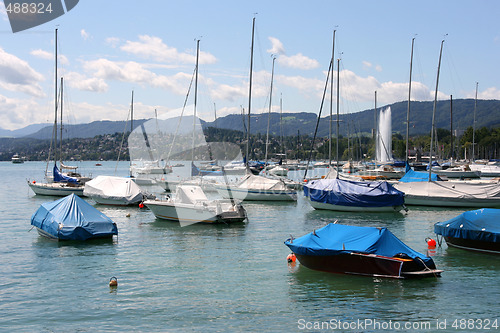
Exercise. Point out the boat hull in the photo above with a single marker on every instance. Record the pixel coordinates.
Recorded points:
(436, 201)
(256, 195)
(473, 245)
(365, 264)
(195, 213)
(341, 208)
(55, 189)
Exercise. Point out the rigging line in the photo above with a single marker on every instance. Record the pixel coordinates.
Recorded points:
(330, 71)
(180, 118)
(123, 140)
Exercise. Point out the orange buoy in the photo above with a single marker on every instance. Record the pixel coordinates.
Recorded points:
(141, 205)
(291, 257)
(305, 180)
(113, 282)
(34, 182)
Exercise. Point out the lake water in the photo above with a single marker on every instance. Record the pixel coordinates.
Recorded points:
(224, 278)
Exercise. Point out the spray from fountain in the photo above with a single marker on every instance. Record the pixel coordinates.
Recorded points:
(384, 136)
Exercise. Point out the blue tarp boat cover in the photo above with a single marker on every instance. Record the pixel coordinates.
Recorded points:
(60, 178)
(418, 176)
(480, 225)
(334, 239)
(195, 171)
(72, 218)
(354, 193)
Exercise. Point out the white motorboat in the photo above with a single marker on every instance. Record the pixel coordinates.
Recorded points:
(258, 188)
(190, 205)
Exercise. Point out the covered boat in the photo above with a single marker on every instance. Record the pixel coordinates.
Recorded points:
(72, 218)
(190, 205)
(347, 195)
(477, 230)
(338, 248)
(118, 191)
(253, 187)
(450, 194)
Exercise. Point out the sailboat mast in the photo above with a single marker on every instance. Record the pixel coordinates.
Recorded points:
(338, 105)
(132, 113)
(55, 103)
(331, 106)
(269, 113)
(61, 127)
(451, 128)
(195, 97)
(434, 111)
(474, 126)
(250, 95)
(409, 98)
(375, 128)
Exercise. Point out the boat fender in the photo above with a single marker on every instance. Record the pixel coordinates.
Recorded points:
(291, 257)
(113, 282)
(141, 205)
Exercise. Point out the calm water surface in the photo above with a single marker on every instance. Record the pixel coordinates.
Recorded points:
(221, 278)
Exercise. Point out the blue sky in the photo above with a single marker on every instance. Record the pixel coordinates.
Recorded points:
(109, 48)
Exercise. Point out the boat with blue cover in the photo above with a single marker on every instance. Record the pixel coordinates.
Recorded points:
(348, 195)
(477, 230)
(72, 218)
(338, 248)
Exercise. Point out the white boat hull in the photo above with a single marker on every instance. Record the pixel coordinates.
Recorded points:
(256, 195)
(190, 214)
(55, 189)
(451, 194)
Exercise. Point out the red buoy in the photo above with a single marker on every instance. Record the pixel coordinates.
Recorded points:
(291, 257)
(141, 205)
(431, 243)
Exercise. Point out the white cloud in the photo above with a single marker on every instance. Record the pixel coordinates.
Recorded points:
(298, 61)
(84, 34)
(490, 93)
(154, 48)
(113, 41)
(17, 113)
(17, 75)
(39, 53)
(135, 72)
(81, 82)
(277, 46)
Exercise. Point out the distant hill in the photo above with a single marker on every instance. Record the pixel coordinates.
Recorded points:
(21, 132)
(488, 115)
(86, 130)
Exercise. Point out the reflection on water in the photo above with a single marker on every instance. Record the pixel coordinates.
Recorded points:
(218, 277)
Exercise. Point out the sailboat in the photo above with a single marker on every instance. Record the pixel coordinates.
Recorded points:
(446, 193)
(59, 184)
(190, 205)
(256, 187)
(347, 195)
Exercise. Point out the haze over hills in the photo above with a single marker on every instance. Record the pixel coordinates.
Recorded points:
(488, 115)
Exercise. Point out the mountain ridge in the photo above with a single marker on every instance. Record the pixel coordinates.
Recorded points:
(304, 123)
